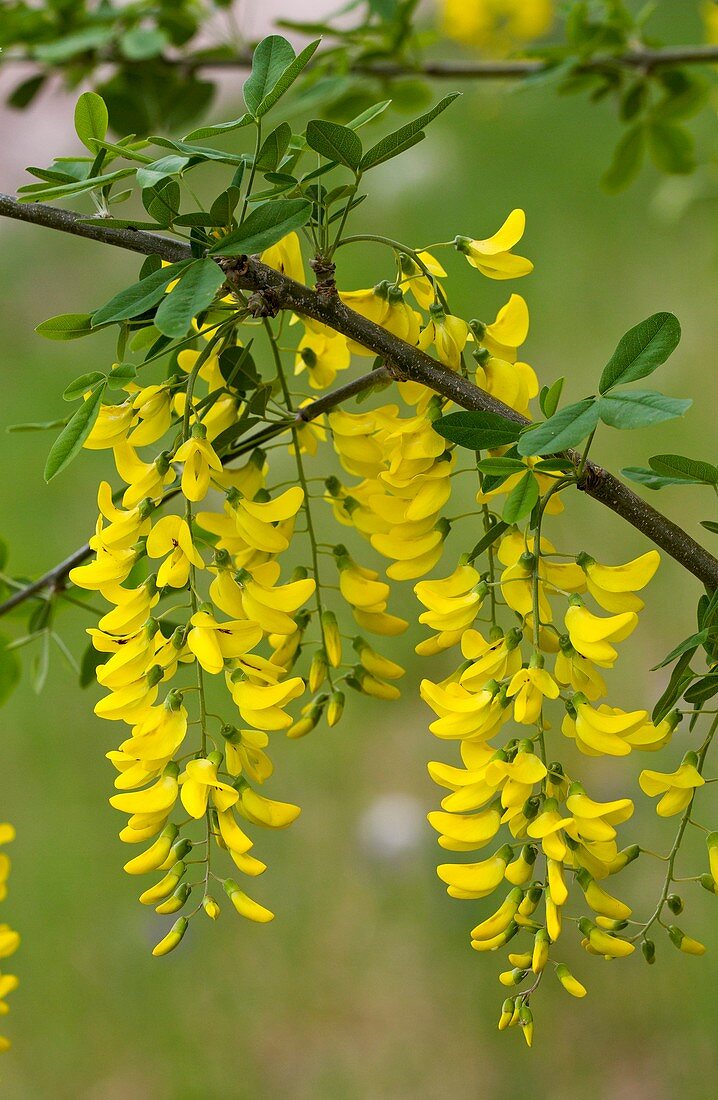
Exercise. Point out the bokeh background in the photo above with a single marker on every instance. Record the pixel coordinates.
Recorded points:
(365, 986)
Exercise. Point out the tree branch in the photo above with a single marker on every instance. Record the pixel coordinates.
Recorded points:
(272, 292)
(647, 60)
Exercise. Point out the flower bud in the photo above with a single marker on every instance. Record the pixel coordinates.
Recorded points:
(685, 943)
(332, 638)
(541, 950)
(675, 903)
(507, 1011)
(210, 906)
(527, 1023)
(569, 983)
(172, 938)
(176, 900)
(648, 948)
(153, 858)
(335, 708)
(244, 905)
(512, 977)
(317, 670)
(165, 886)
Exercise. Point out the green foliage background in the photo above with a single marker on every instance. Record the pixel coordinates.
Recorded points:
(365, 985)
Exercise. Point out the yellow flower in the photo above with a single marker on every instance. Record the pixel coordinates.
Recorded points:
(124, 528)
(420, 285)
(462, 714)
(322, 354)
(143, 479)
(591, 635)
(475, 880)
(111, 427)
(109, 569)
(449, 335)
(603, 731)
(496, 26)
(171, 539)
(132, 608)
(199, 781)
(199, 460)
(153, 405)
(613, 586)
(577, 672)
(531, 686)
(677, 788)
(262, 704)
(504, 336)
(514, 383)
(286, 257)
(385, 306)
(214, 643)
(493, 256)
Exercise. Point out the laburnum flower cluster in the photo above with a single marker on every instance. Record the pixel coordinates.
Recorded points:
(9, 938)
(496, 26)
(231, 623)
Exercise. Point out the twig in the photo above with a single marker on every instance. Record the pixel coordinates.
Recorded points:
(646, 60)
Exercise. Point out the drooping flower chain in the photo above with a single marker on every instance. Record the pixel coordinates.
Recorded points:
(221, 611)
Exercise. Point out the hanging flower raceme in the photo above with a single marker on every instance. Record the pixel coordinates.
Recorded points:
(232, 621)
(9, 938)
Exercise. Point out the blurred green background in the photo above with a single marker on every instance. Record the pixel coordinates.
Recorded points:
(365, 986)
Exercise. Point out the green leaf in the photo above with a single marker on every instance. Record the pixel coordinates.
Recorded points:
(627, 160)
(9, 670)
(266, 225)
(521, 500)
(494, 532)
(653, 480)
(640, 408)
(691, 644)
(138, 298)
(369, 115)
(671, 147)
(219, 128)
(80, 385)
(477, 430)
(643, 348)
(703, 690)
(550, 397)
(142, 43)
(710, 526)
(62, 49)
(501, 467)
(69, 442)
(29, 193)
(335, 142)
(686, 94)
(273, 148)
(287, 78)
(196, 289)
(66, 326)
(404, 137)
(91, 119)
(686, 469)
(159, 170)
(566, 428)
(162, 201)
(271, 59)
(38, 426)
(120, 375)
(681, 677)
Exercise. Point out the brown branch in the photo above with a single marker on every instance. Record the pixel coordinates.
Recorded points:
(645, 59)
(273, 292)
